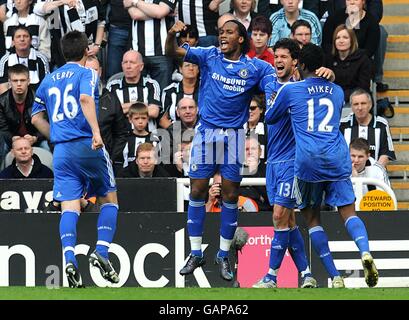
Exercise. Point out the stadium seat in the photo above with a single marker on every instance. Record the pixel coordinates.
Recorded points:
(45, 156)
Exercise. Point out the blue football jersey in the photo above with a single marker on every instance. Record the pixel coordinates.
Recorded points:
(59, 94)
(226, 86)
(315, 105)
(281, 141)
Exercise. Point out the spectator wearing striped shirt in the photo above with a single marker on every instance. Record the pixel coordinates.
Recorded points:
(151, 22)
(177, 90)
(361, 123)
(283, 19)
(37, 26)
(202, 14)
(132, 86)
(23, 53)
(50, 10)
(138, 116)
(86, 16)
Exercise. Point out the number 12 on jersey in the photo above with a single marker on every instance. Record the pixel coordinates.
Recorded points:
(312, 108)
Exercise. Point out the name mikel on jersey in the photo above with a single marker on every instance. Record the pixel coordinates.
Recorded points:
(320, 89)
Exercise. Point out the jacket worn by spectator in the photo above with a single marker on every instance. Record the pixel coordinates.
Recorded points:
(355, 71)
(367, 34)
(132, 171)
(114, 126)
(11, 120)
(38, 171)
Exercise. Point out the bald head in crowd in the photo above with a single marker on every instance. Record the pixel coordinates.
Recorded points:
(224, 18)
(132, 66)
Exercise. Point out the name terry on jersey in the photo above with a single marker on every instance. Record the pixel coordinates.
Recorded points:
(62, 75)
(231, 84)
(320, 89)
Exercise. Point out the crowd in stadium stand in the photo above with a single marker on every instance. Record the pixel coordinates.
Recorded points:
(148, 105)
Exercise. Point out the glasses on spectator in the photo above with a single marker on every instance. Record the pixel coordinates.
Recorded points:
(252, 108)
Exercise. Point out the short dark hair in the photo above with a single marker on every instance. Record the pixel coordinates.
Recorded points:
(261, 23)
(300, 23)
(74, 44)
(360, 144)
(190, 31)
(245, 47)
(311, 56)
(18, 69)
(289, 44)
(21, 27)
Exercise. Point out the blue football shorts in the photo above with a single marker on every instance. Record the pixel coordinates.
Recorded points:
(217, 150)
(78, 170)
(279, 183)
(311, 194)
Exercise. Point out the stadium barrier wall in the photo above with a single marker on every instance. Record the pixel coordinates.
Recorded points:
(142, 195)
(150, 248)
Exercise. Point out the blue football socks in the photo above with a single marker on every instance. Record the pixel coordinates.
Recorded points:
(357, 231)
(228, 227)
(279, 245)
(106, 227)
(195, 219)
(68, 235)
(319, 242)
(296, 247)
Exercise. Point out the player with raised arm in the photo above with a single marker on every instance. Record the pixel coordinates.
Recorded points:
(228, 81)
(322, 164)
(69, 96)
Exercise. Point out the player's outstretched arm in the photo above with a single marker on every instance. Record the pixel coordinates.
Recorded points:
(171, 48)
(38, 120)
(88, 108)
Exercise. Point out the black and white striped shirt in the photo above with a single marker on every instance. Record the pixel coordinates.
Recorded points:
(38, 28)
(147, 90)
(377, 134)
(132, 143)
(85, 17)
(197, 13)
(149, 36)
(36, 63)
(172, 94)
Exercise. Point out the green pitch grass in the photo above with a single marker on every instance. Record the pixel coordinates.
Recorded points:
(94, 293)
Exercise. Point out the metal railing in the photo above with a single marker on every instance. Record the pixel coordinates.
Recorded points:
(357, 181)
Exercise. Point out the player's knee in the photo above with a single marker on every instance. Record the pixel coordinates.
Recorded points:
(281, 213)
(196, 193)
(231, 195)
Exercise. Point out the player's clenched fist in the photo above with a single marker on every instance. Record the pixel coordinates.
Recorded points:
(177, 27)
